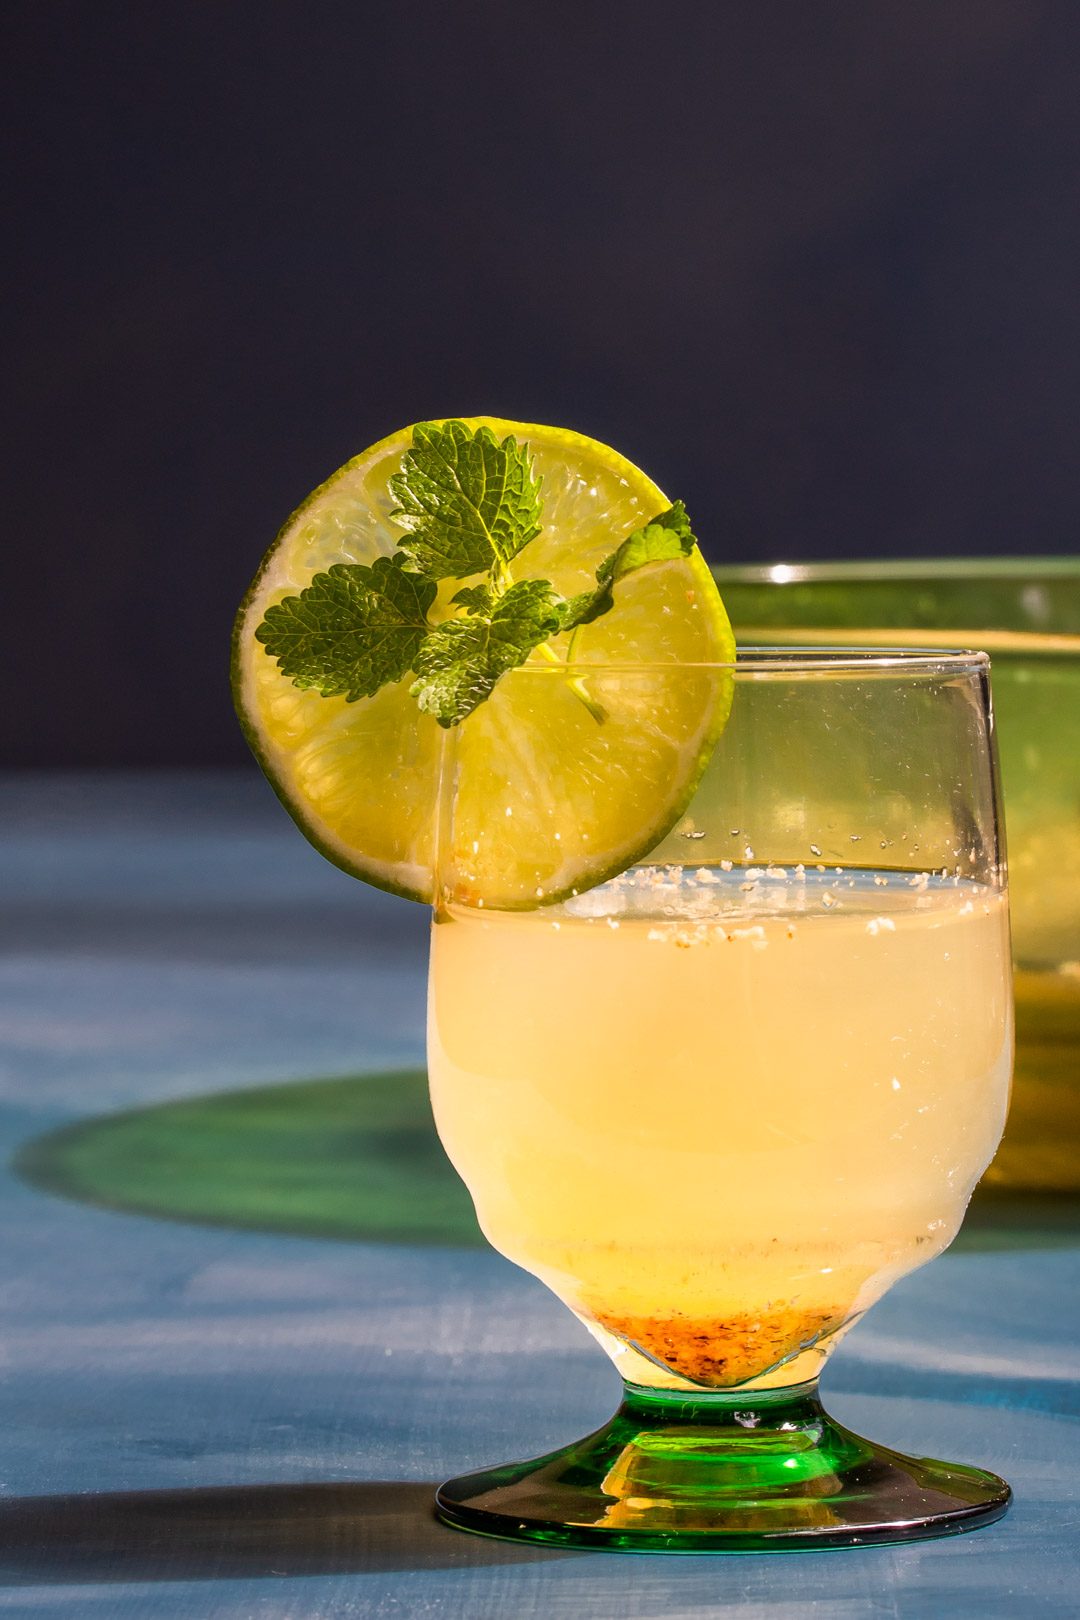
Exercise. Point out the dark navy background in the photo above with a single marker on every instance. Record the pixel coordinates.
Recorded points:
(815, 267)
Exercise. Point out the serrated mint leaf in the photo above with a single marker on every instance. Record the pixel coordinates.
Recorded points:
(468, 501)
(460, 661)
(352, 629)
(662, 538)
(474, 598)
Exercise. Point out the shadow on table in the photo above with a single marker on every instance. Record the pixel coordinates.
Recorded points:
(236, 1531)
(999, 1221)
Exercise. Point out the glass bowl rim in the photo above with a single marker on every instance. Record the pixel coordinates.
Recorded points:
(1016, 569)
(763, 659)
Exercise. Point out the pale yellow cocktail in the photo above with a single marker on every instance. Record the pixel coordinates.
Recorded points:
(719, 1113)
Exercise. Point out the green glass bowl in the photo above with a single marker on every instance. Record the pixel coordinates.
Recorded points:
(1025, 612)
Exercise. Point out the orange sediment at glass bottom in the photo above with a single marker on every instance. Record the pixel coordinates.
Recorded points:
(722, 1352)
(762, 1314)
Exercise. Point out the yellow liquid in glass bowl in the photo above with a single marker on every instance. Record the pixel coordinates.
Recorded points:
(719, 1125)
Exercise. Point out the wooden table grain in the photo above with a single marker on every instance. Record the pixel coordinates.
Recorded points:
(199, 1423)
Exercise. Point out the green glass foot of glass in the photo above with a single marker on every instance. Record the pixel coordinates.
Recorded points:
(722, 1473)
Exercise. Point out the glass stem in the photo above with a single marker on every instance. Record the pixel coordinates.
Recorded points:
(773, 1437)
(742, 1408)
(726, 1470)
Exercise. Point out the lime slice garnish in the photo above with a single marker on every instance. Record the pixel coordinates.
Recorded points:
(570, 771)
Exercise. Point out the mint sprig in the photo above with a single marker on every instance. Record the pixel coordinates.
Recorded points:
(469, 504)
(353, 629)
(459, 663)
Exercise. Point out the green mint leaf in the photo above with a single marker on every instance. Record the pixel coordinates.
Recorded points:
(668, 535)
(474, 598)
(587, 606)
(460, 661)
(662, 538)
(351, 630)
(468, 502)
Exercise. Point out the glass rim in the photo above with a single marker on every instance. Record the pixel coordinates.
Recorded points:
(1016, 569)
(789, 659)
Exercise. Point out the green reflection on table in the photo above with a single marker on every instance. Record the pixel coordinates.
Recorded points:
(355, 1157)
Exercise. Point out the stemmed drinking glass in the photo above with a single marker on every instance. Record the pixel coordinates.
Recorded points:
(723, 1101)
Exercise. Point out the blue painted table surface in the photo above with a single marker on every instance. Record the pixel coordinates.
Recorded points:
(168, 935)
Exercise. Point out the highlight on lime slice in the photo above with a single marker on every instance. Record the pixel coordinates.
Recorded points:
(569, 771)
